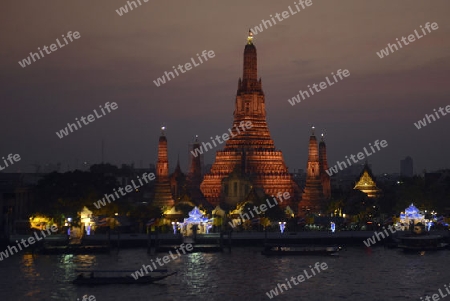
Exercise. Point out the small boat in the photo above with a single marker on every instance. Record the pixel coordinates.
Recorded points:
(422, 243)
(286, 249)
(90, 277)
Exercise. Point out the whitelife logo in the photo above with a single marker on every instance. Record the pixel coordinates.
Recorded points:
(244, 216)
(90, 118)
(281, 17)
(323, 85)
(436, 297)
(199, 151)
(124, 9)
(317, 266)
(87, 298)
(411, 38)
(360, 155)
(31, 241)
(166, 259)
(11, 158)
(188, 66)
(379, 235)
(110, 197)
(423, 122)
(27, 61)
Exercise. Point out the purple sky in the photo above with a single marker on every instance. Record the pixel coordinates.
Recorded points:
(118, 57)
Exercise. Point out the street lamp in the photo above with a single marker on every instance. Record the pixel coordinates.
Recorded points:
(282, 226)
(174, 226)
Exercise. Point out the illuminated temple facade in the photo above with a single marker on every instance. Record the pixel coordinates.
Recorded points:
(251, 151)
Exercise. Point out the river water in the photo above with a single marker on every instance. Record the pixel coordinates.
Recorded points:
(244, 274)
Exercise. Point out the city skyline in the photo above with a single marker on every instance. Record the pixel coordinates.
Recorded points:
(118, 59)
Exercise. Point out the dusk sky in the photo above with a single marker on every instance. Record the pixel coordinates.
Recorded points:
(117, 58)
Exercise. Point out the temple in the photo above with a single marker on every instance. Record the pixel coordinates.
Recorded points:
(195, 223)
(412, 215)
(252, 152)
(163, 195)
(313, 196)
(367, 184)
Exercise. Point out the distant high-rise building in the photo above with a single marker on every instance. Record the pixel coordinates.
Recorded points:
(163, 194)
(406, 167)
(253, 149)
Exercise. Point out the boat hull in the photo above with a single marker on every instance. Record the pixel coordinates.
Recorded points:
(118, 280)
(422, 243)
(271, 250)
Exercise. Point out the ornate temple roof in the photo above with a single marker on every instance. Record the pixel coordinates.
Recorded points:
(366, 183)
(196, 216)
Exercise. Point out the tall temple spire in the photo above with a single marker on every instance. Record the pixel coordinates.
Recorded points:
(313, 153)
(313, 197)
(163, 195)
(250, 75)
(249, 86)
(253, 149)
(162, 166)
(323, 165)
(177, 181)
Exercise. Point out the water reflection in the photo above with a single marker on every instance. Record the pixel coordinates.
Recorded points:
(240, 275)
(28, 271)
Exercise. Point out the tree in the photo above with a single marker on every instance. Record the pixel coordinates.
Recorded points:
(69, 192)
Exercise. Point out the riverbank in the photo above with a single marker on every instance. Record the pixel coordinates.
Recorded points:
(245, 238)
(100, 242)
